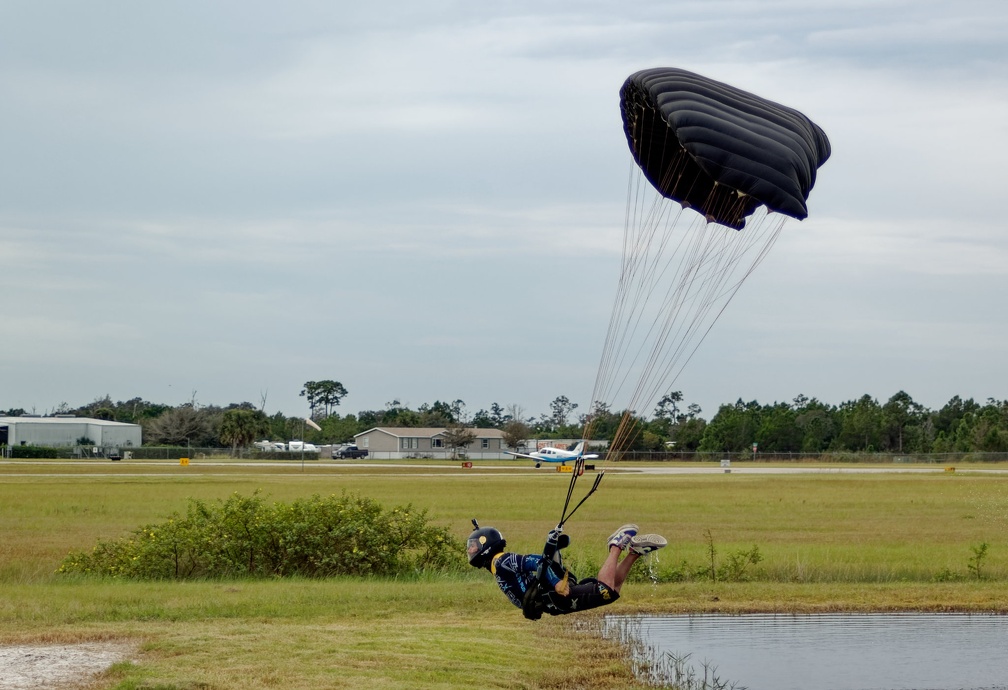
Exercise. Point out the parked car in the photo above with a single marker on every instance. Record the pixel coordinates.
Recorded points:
(271, 446)
(348, 451)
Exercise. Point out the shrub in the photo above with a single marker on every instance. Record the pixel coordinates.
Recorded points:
(979, 554)
(32, 452)
(246, 537)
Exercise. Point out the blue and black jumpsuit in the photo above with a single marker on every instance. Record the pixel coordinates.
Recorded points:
(515, 573)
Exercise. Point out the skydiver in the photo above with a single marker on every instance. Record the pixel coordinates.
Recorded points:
(537, 583)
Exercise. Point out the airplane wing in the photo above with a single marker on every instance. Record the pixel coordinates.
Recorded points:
(523, 455)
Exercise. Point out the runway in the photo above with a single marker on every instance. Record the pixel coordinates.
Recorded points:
(134, 468)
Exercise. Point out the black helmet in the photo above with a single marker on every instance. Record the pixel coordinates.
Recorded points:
(484, 544)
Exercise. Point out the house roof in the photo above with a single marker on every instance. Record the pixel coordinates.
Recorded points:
(427, 432)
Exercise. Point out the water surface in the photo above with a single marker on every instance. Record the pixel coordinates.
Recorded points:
(839, 651)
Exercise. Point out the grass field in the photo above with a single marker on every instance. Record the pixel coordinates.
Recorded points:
(826, 542)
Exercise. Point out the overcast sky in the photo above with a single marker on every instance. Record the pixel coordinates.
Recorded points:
(425, 200)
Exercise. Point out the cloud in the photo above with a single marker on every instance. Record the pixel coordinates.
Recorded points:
(917, 247)
(228, 189)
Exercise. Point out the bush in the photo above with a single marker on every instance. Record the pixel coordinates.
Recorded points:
(34, 452)
(246, 537)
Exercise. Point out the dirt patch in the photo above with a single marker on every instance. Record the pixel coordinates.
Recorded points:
(57, 666)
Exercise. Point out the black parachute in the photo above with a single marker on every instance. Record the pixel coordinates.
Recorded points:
(718, 149)
(708, 159)
(737, 159)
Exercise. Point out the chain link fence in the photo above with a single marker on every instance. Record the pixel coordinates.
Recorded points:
(251, 454)
(151, 453)
(826, 457)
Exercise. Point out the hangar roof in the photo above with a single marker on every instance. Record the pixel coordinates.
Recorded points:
(61, 419)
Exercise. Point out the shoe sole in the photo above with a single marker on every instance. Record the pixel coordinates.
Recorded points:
(647, 543)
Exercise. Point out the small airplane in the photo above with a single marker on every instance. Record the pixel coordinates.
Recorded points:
(555, 455)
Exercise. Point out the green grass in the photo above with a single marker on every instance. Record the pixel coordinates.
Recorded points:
(832, 542)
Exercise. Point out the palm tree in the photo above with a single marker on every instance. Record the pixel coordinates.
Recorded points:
(241, 427)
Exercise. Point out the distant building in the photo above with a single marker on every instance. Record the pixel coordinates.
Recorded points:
(65, 430)
(383, 443)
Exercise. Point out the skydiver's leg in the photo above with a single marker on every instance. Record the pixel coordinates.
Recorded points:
(623, 569)
(614, 571)
(609, 572)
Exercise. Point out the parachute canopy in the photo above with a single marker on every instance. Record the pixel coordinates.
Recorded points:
(739, 161)
(718, 149)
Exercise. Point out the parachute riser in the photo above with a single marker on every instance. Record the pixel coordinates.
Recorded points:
(577, 470)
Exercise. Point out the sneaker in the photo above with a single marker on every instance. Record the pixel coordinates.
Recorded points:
(621, 537)
(646, 543)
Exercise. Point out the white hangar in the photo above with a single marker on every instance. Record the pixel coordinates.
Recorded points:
(65, 430)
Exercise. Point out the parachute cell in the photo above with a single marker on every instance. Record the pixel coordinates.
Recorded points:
(718, 149)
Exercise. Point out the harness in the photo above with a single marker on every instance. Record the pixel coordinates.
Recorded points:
(540, 593)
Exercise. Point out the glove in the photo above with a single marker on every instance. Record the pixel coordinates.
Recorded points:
(557, 540)
(563, 586)
(552, 543)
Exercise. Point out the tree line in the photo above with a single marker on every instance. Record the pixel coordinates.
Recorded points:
(804, 425)
(807, 425)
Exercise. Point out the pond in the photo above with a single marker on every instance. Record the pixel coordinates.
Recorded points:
(827, 651)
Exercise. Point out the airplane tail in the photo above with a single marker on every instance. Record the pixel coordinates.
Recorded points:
(579, 448)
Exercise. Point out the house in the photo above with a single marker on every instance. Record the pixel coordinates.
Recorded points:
(383, 443)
